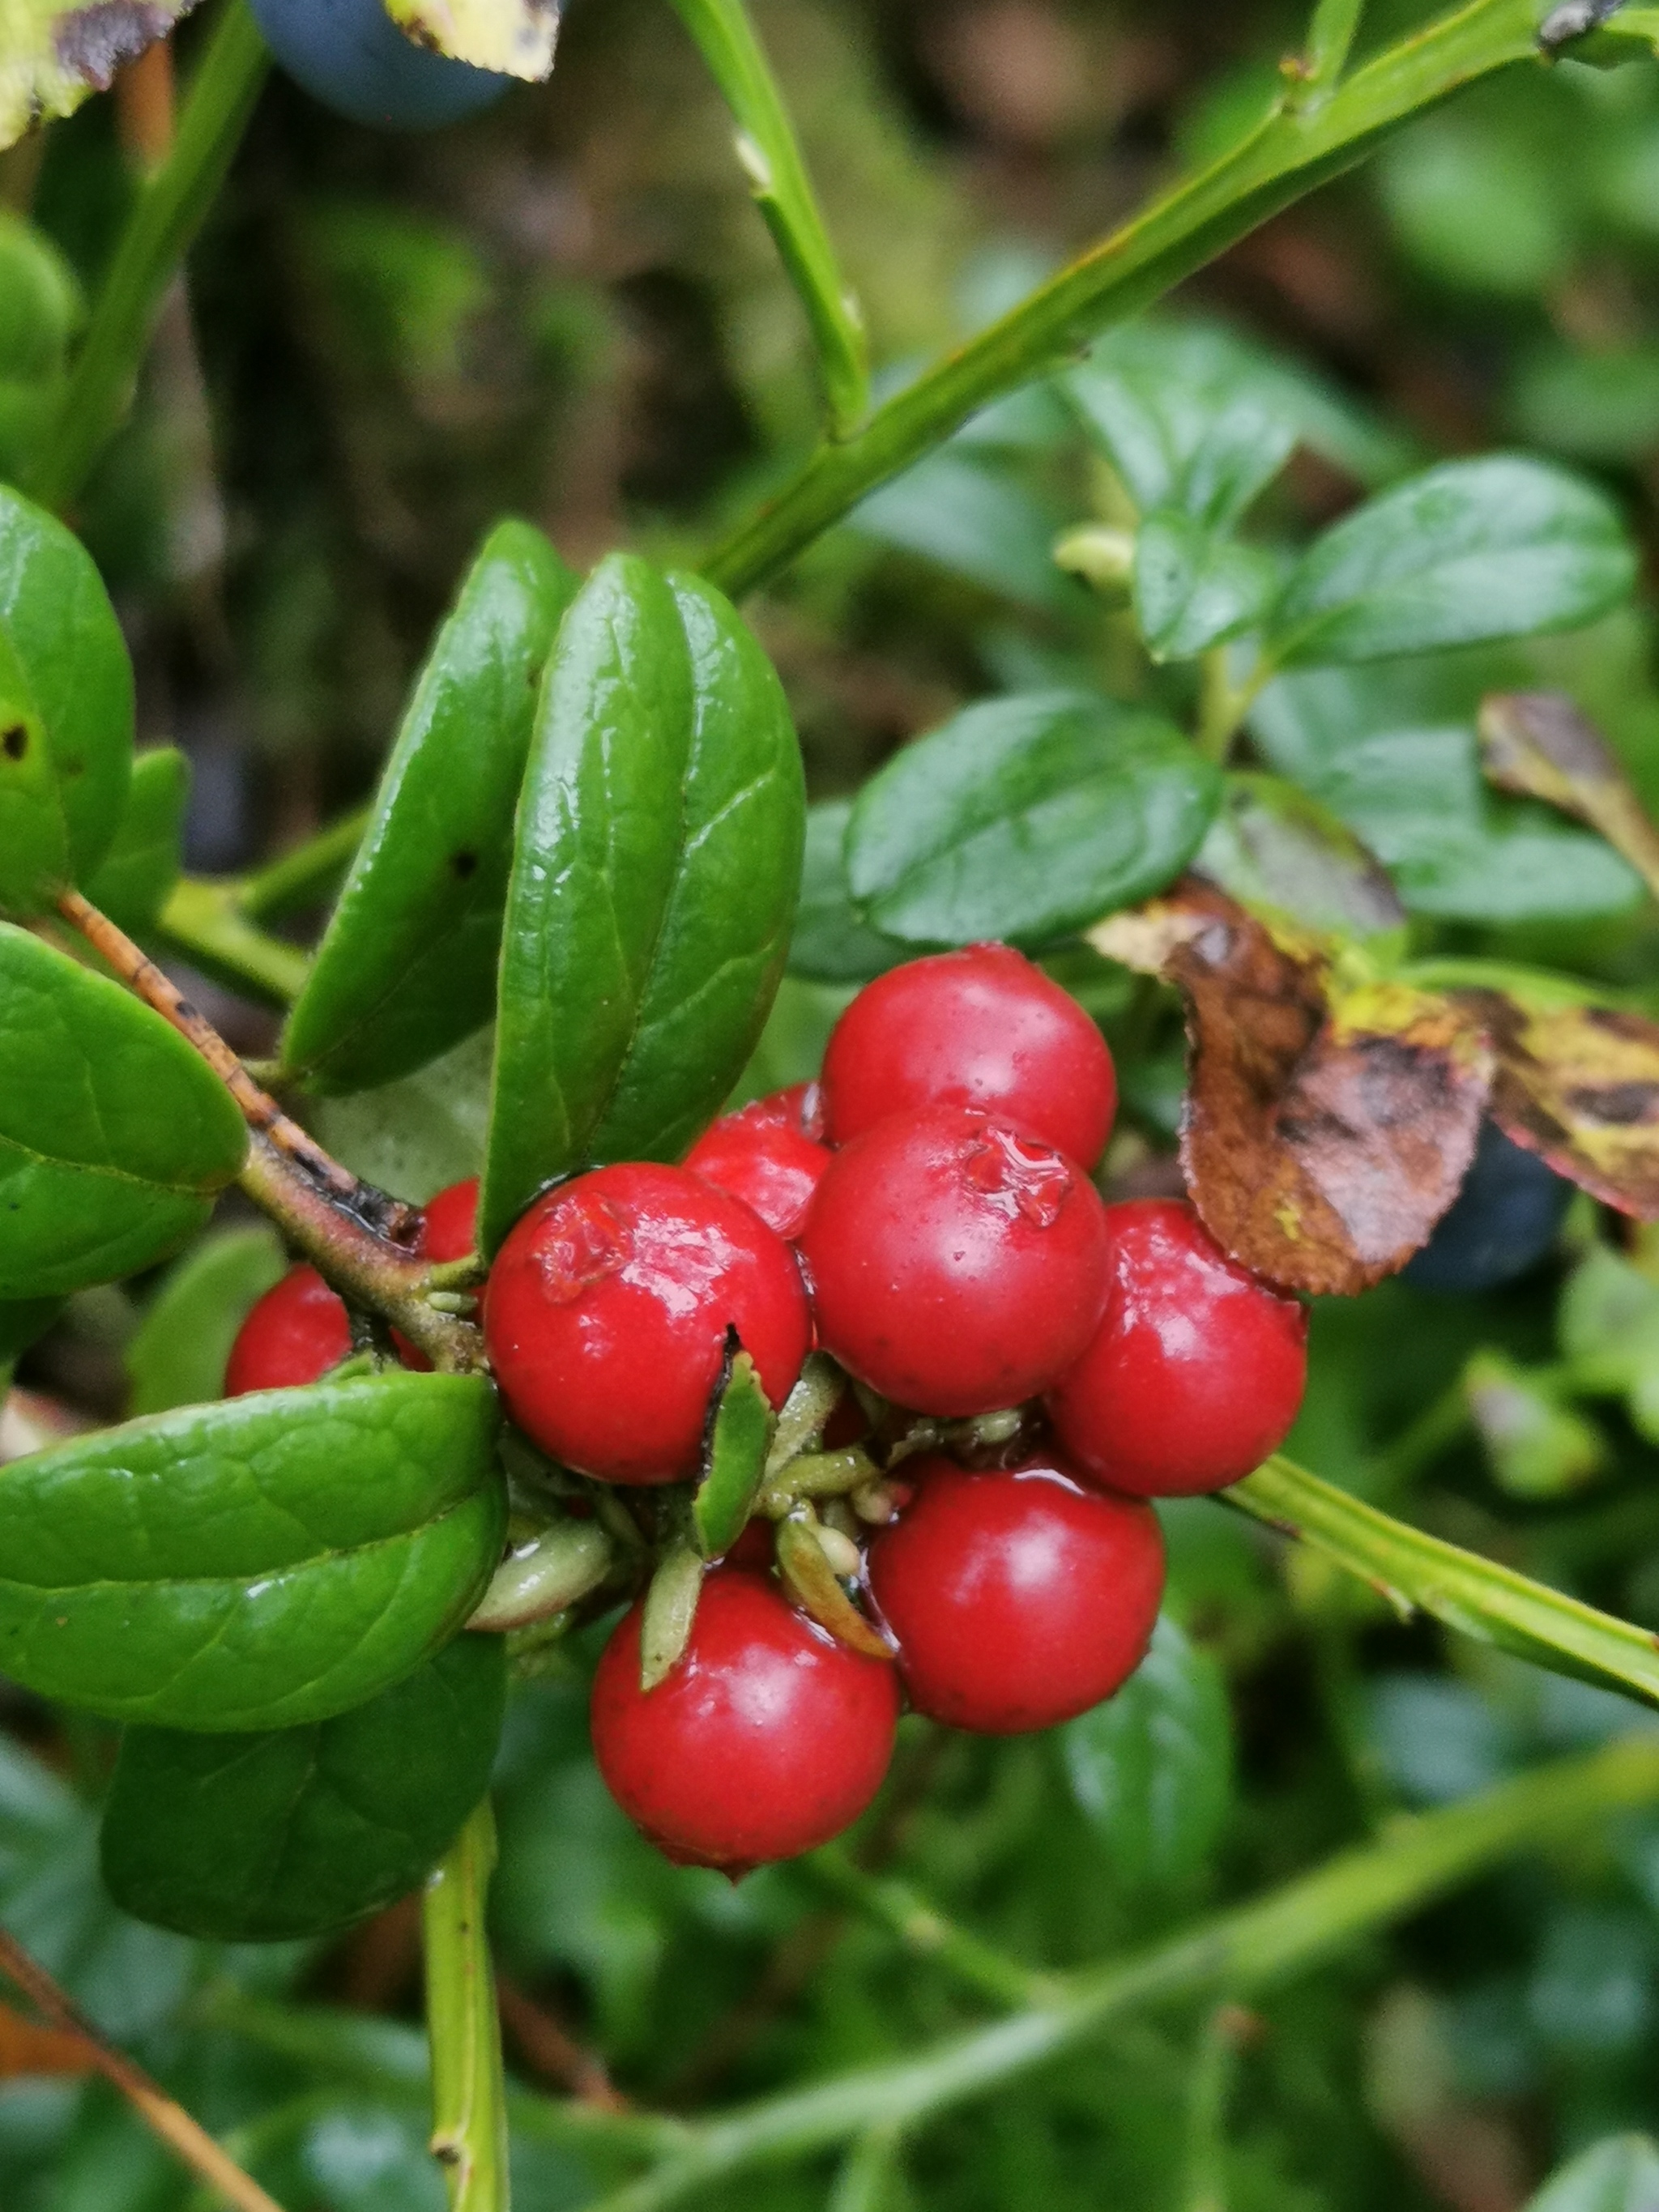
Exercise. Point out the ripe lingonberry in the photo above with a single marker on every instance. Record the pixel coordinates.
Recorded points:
(761, 1156)
(607, 1316)
(1018, 1599)
(1196, 1370)
(981, 1028)
(956, 1266)
(768, 1737)
(296, 1332)
(449, 1222)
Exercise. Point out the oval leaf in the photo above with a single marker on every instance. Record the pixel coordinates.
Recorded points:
(407, 967)
(33, 840)
(1026, 818)
(1284, 858)
(113, 1134)
(258, 1838)
(831, 945)
(1152, 1767)
(1502, 547)
(144, 864)
(740, 1428)
(1193, 587)
(654, 885)
(62, 629)
(260, 1564)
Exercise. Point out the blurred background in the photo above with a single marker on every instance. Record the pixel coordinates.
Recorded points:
(568, 308)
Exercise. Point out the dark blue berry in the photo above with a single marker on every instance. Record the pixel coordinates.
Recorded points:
(352, 56)
(1502, 1222)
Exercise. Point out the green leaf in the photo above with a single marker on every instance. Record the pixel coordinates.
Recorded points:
(113, 1134)
(22, 1322)
(1152, 1767)
(418, 1136)
(40, 303)
(1501, 547)
(1393, 752)
(177, 1354)
(671, 1612)
(654, 888)
(1193, 586)
(831, 944)
(33, 842)
(739, 1436)
(1619, 2174)
(131, 883)
(1187, 417)
(259, 1564)
(1535, 1446)
(407, 967)
(1285, 857)
(57, 614)
(1477, 1597)
(1026, 818)
(254, 1838)
(1476, 206)
(978, 522)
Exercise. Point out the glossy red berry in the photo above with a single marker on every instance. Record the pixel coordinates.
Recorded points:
(449, 1222)
(1196, 1370)
(606, 1314)
(767, 1738)
(761, 1156)
(982, 1028)
(296, 1333)
(956, 1265)
(1018, 1598)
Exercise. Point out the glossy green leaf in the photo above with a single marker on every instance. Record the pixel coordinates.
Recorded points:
(1620, 2175)
(253, 1839)
(57, 613)
(1026, 818)
(131, 882)
(407, 967)
(1501, 547)
(978, 522)
(1152, 1767)
(1393, 752)
(177, 1354)
(654, 881)
(669, 1612)
(1285, 857)
(113, 1134)
(1477, 1597)
(264, 1562)
(831, 945)
(1193, 586)
(34, 860)
(40, 302)
(739, 1436)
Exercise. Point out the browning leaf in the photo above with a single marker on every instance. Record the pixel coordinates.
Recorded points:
(1578, 1085)
(1325, 1132)
(52, 57)
(1538, 744)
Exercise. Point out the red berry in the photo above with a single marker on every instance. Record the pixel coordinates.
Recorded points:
(1196, 1370)
(768, 1739)
(449, 1221)
(800, 1107)
(956, 1265)
(762, 1158)
(296, 1333)
(1018, 1598)
(980, 1028)
(607, 1309)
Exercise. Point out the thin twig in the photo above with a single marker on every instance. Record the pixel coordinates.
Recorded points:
(551, 2050)
(185, 2138)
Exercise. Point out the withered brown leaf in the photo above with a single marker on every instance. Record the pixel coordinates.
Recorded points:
(1325, 1131)
(1538, 744)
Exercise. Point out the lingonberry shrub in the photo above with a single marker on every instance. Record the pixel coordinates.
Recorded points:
(1196, 1369)
(957, 1264)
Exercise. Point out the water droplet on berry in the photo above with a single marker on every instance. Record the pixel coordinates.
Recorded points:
(1018, 1178)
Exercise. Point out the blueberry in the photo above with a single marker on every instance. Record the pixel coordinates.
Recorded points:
(1501, 1223)
(351, 56)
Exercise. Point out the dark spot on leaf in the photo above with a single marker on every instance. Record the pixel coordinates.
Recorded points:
(1620, 1105)
(463, 864)
(15, 742)
(95, 42)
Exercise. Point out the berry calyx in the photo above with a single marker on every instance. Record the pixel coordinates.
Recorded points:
(761, 1156)
(956, 1266)
(1018, 1599)
(295, 1334)
(982, 1028)
(768, 1737)
(606, 1314)
(1196, 1370)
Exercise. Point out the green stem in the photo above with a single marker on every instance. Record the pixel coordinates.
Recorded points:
(207, 923)
(1293, 150)
(1330, 39)
(308, 873)
(468, 2088)
(169, 210)
(1215, 2068)
(893, 1905)
(865, 2183)
(1237, 1952)
(771, 156)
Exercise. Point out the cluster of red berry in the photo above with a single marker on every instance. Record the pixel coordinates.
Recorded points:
(926, 1214)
